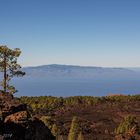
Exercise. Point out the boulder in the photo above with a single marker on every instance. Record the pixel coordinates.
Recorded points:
(18, 117)
(16, 123)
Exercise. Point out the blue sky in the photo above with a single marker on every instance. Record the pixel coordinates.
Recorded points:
(79, 32)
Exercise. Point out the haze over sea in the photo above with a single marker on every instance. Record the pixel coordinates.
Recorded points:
(65, 80)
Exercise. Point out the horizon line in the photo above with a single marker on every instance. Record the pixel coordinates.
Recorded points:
(78, 65)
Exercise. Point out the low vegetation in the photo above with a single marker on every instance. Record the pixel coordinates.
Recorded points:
(51, 103)
(86, 117)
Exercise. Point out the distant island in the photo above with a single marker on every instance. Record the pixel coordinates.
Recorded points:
(69, 80)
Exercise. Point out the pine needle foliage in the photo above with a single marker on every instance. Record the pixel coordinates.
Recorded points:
(9, 67)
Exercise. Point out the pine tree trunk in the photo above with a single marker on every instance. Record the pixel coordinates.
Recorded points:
(5, 75)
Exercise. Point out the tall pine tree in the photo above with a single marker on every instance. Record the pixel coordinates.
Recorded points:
(9, 67)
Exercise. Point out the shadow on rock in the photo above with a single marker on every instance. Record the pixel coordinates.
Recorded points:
(34, 130)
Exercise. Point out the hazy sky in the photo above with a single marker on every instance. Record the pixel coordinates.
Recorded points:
(79, 32)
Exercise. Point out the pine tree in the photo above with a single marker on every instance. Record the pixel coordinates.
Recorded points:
(128, 123)
(9, 67)
(73, 129)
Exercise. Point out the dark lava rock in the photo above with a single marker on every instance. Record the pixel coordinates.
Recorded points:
(16, 123)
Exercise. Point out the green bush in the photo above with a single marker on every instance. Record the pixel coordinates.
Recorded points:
(47, 121)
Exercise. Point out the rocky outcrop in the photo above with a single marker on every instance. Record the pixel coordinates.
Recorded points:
(12, 109)
(36, 130)
(18, 117)
(17, 124)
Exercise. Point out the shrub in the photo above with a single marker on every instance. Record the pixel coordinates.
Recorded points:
(73, 129)
(128, 123)
(47, 121)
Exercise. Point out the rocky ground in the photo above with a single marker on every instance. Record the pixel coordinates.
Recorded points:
(98, 119)
(17, 124)
(98, 122)
(27, 119)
